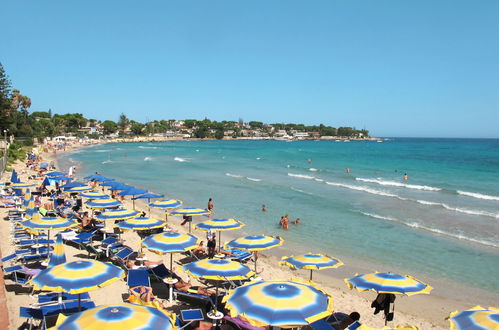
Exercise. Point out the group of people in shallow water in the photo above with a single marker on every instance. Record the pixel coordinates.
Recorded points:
(284, 222)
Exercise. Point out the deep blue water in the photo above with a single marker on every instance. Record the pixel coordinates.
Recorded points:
(442, 223)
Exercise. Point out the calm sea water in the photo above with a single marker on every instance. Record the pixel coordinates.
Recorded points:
(442, 223)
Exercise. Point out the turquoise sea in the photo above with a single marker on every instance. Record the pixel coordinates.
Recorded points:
(442, 224)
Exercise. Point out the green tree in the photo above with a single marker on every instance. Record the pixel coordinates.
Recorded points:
(136, 127)
(123, 122)
(109, 126)
(219, 133)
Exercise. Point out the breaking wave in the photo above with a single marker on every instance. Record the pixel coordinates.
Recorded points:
(398, 184)
(477, 195)
(301, 176)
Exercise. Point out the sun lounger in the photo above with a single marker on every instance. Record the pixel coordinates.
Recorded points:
(189, 316)
(239, 255)
(29, 242)
(121, 257)
(30, 314)
(138, 277)
(95, 252)
(321, 324)
(53, 297)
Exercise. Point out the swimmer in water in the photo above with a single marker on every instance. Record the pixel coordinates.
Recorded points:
(406, 177)
(264, 208)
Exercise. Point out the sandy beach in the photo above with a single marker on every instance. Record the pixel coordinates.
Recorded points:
(422, 311)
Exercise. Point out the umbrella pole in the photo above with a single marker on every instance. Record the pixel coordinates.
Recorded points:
(79, 302)
(190, 226)
(311, 274)
(48, 244)
(256, 258)
(171, 262)
(219, 241)
(148, 207)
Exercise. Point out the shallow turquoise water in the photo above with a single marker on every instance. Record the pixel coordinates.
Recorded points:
(443, 222)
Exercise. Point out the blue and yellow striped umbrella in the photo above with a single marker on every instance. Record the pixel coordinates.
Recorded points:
(47, 223)
(169, 242)
(312, 261)
(141, 223)
(167, 204)
(475, 318)
(388, 283)
(103, 203)
(118, 214)
(94, 195)
(58, 256)
(119, 317)
(191, 211)
(77, 276)
(218, 269)
(220, 224)
(255, 242)
(20, 185)
(79, 189)
(284, 304)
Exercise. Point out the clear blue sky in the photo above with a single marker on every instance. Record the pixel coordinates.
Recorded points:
(397, 68)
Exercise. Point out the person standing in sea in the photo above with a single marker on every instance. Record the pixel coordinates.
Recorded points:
(210, 205)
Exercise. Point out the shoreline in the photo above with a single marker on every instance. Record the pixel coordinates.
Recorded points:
(447, 295)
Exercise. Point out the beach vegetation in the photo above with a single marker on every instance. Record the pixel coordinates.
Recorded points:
(109, 127)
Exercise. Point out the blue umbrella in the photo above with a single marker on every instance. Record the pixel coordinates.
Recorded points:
(46, 181)
(55, 173)
(60, 178)
(111, 183)
(102, 179)
(149, 196)
(73, 184)
(14, 178)
(132, 192)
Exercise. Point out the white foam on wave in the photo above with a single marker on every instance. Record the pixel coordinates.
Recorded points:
(147, 159)
(364, 189)
(398, 184)
(233, 175)
(144, 147)
(313, 169)
(477, 195)
(301, 176)
(258, 158)
(107, 162)
(253, 179)
(416, 225)
(178, 159)
(318, 180)
(460, 210)
(102, 150)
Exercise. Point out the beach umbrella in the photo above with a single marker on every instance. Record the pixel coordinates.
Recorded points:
(77, 277)
(61, 178)
(141, 223)
(190, 211)
(73, 184)
(47, 223)
(79, 189)
(102, 179)
(94, 195)
(167, 204)
(14, 178)
(284, 304)
(169, 242)
(58, 256)
(311, 261)
(218, 270)
(388, 283)
(46, 181)
(255, 243)
(219, 225)
(116, 214)
(119, 317)
(103, 203)
(55, 173)
(132, 192)
(475, 318)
